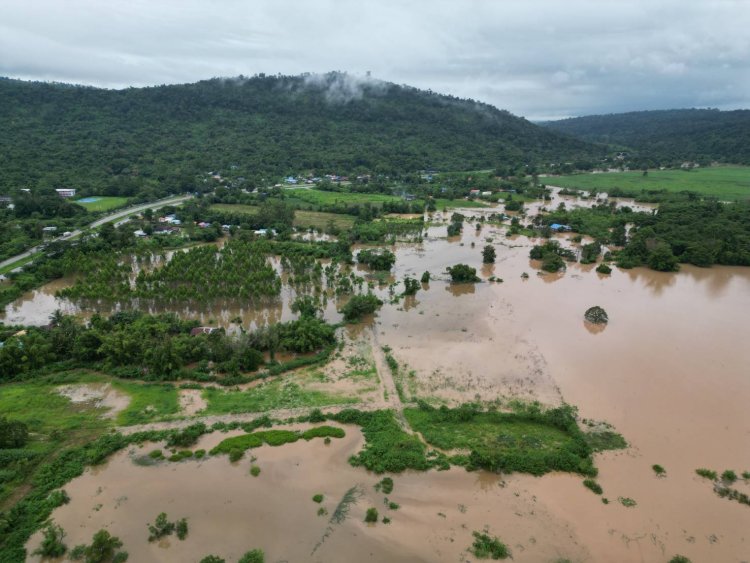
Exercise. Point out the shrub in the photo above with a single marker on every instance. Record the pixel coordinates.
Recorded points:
(318, 498)
(488, 254)
(658, 469)
(377, 259)
(156, 454)
(103, 549)
(461, 273)
(679, 559)
(411, 286)
(254, 470)
(386, 520)
(372, 515)
(628, 502)
(236, 455)
(729, 476)
(426, 277)
(323, 432)
(181, 528)
(385, 485)
(212, 559)
(360, 305)
(486, 547)
(596, 315)
(13, 434)
(52, 542)
(593, 486)
(603, 268)
(746, 475)
(322, 511)
(393, 506)
(254, 556)
(707, 473)
(160, 528)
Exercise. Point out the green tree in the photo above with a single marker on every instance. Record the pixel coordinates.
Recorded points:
(488, 254)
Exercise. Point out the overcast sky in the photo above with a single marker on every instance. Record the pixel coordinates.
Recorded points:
(536, 58)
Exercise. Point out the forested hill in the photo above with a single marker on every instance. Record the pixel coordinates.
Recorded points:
(54, 134)
(668, 135)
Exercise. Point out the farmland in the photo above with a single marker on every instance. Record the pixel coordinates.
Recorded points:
(723, 182)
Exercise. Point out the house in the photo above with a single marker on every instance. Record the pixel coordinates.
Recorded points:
(66, 192)
(203, 330)
(139, 233)
(204, 225)
(473, 192)
(486, 194)
(557, 227)
(290, 180)
(49, 229)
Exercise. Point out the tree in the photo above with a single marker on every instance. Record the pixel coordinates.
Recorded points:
(662, 259)
(13, 433)
(360, 305)
(596, 315)
(461, 273)
(253, 556)
(52, 542)
(411, 286)
(488, 254)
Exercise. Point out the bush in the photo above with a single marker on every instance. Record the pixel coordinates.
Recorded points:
(160, 528)
(707, 473)
(52, 542)
(212, 559)
(372, 515)
(486, 547)
(380, 259)
(461, 273)
(603, 268)
(679, 559)
(593, 486)
(360, 305)
(254, 470)
(181, 528)
(13, 434)
(318, 498)
(426, 277)
(254, 556)
(596, 315)
(411, 286)
(103, 549)
(385, 485)
(658, 469)
(729, 476)
(628, 502)
(236, 455)
(488, 254)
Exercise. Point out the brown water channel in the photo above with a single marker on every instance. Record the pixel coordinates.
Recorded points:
(671, 372)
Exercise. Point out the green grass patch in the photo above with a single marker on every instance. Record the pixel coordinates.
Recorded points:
(723, 182)
(148, 402)
(273, 438)
(235, 208)
(270, 396)
(529, 440)
(324, 198)
(602, 440)
(18, 263)
(103, 203)
(441, 203)
(322, 221)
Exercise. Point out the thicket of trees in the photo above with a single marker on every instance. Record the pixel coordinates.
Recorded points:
(152, 141)
(668, 136)
(154, 347)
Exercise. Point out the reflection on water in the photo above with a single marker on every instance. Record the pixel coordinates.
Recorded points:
(594, 328)
(458, 289)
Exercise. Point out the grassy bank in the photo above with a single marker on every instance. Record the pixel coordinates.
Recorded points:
(723, 182)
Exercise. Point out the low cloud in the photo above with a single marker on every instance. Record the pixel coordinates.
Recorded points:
(536, 58)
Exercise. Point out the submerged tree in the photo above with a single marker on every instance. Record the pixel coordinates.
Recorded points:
(596, 315)
(488, 254)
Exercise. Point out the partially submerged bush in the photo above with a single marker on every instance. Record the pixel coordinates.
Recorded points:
(596, 315)
(318, 498)
(604, 268)
(707, 473)
(52, 542)
(385, 485)
(254, 556)
(593, 486)
(160, 528)
(461, 273)
(729, 476)
(359, 306)
(372, 515)
(659, 470)
(486, 547)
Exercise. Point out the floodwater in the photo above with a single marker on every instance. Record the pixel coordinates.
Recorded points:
(669, 372)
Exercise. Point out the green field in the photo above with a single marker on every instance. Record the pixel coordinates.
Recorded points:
(103, 203)
(724, 182)
(320, 197)
(319, 220)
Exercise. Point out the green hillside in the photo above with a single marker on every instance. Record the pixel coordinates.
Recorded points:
(118, 142)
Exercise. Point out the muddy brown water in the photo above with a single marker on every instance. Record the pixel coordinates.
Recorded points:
(670, 371)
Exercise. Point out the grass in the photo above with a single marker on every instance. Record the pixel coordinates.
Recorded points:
(273, 438)
(148, 402)
(270, 396)
(320, 197)
(54, 423)
(103, 203)
(319, 220)
(531, 441)
(235, 208)
(441, 203)
(723, 182)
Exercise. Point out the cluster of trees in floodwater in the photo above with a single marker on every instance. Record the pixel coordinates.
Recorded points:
(155, 347)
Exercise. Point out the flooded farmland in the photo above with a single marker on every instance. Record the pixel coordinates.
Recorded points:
(669, 372)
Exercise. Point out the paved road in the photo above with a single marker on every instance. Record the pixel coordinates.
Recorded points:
(99, 222)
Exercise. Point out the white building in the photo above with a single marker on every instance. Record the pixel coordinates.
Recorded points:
(66, 192)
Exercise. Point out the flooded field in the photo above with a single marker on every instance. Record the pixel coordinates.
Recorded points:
(669, 372)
